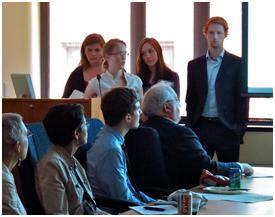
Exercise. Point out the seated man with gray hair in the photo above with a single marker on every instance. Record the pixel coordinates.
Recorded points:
(184, 155)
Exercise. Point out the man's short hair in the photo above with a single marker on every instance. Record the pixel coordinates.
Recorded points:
(12, 132)
(117, 103)
(217, 20)
(155, 97)
(61, 121)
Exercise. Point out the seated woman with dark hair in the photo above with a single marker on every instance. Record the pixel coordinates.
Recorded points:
(61, 181)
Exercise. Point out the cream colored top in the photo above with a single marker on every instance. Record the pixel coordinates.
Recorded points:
(57, 186)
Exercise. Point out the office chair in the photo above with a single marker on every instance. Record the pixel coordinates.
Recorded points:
(147, 162)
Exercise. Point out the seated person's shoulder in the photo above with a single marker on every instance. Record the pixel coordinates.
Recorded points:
(186, 131)
(51, 160)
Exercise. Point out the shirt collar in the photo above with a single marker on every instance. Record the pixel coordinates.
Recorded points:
(117, 76)
(220, 56)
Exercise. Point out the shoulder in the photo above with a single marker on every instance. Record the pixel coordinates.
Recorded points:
(232, 57)
(170, 72)
(184, 131)
(173, 74)
(51, 160)
(196, 60)
(106, 148)
(105, 141)
(133, 78)
(7, 180)
(78, 72)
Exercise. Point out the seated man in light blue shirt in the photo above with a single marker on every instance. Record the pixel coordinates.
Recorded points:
(106, 160)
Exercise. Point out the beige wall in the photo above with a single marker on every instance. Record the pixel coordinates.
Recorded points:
(16, 42)
(257, 148)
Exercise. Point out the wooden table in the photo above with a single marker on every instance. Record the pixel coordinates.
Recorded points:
(257, 185)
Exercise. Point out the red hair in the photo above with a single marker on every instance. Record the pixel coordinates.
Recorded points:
(216, 20)
(142, 69)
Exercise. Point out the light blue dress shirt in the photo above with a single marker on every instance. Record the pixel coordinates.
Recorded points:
(213, 65)
(107, 168)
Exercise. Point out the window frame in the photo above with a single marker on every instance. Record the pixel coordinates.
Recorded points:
(199, 19)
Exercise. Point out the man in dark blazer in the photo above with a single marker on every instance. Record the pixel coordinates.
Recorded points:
(183, 153)
(216, 111)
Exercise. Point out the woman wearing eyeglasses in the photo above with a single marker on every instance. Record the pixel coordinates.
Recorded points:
(151, 67)
(61, 181)
(114, 54)
(14, 150)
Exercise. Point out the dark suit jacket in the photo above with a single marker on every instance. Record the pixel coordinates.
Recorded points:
(184, 155)
(232, 108)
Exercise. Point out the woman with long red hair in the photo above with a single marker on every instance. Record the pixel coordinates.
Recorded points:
(151, 67)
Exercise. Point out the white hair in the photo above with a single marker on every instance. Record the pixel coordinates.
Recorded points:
(11, 132)
(155, 97)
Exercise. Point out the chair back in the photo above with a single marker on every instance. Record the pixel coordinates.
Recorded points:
(146, 158)
(41, 140)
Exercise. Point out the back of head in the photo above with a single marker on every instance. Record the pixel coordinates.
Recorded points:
(117, 103)
(216, 20)
(11, 132)
(61, 121)
(90, 40)
(155, 97)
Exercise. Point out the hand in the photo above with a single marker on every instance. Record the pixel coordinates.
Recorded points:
(247, 169)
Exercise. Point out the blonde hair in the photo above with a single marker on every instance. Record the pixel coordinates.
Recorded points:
(108, 48)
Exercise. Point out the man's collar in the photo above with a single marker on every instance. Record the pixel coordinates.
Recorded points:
(220, 55)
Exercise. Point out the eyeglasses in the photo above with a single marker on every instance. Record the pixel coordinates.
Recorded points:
(121, 53)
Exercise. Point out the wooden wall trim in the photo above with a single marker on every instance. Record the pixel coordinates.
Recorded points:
(45, 49)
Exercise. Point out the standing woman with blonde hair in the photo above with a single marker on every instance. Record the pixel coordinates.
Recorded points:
(14, 150)
(114, 53)
(151, 67)
(90, 64)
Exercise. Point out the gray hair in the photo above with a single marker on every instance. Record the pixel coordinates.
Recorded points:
(155, 97)
(11, 132)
